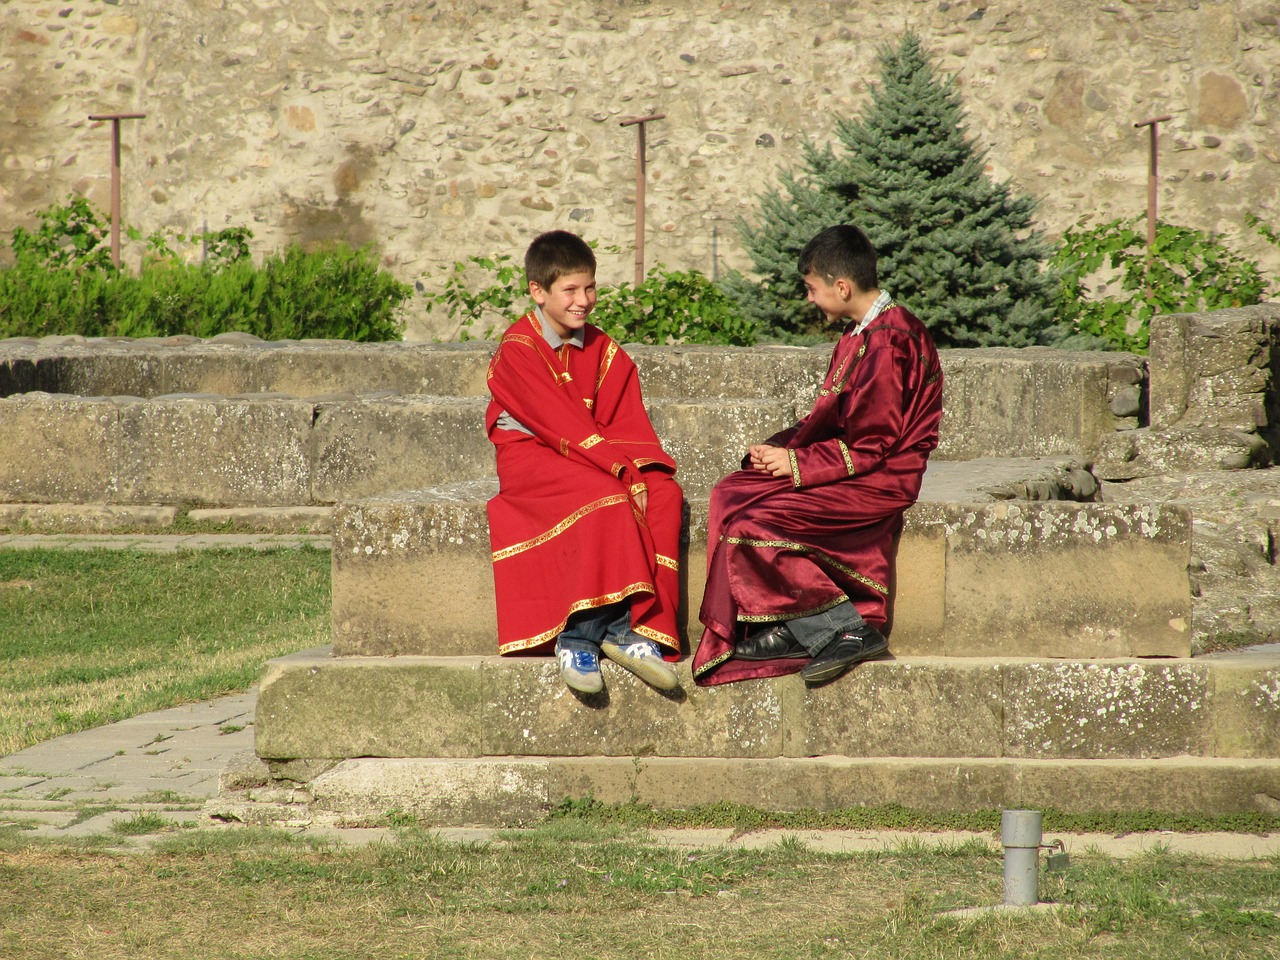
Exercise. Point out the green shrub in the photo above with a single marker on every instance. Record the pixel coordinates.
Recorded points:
(1186, 270)
(63, 282)
(484, 294)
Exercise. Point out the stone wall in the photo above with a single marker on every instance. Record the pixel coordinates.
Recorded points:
(441, 129)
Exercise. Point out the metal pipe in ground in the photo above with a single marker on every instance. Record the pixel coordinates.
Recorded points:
(1020, 834)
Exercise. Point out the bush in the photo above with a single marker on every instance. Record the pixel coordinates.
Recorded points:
(62, 282)
(1186, 270)
(484, 294)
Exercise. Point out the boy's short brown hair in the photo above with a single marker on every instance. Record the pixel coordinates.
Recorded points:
(841, 252)
(555, 254)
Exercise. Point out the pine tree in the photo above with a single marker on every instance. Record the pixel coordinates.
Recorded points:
(955, 247)
(790, 215)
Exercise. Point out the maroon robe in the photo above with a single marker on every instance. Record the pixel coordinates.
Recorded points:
(565, 528)
(779, 548)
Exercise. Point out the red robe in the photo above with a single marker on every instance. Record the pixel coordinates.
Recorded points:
(779, 548)
(565, 529)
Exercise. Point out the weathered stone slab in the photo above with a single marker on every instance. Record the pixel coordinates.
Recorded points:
(1033, 402)
(1066, 579)
(319, 707)
(84, 517)
(412, 575)
(1108, 709)
(512, 791)
(214, 450)
(313, 706)
(58, 449)
(708, 439)
(901, 707)
(267, 519)
(367, 448)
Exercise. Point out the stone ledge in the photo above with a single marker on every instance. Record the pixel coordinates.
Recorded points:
(511, 791)
(412, 574)
(316, 707)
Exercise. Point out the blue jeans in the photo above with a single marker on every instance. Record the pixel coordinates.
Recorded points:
(587, 629)
(815, 632)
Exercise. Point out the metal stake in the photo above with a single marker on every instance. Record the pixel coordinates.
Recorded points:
(1154, 124)
(115, 119)
(1020, 834)
(639, 123)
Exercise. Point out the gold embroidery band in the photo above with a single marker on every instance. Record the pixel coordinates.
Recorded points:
(774, 617)
(811, 552)
(795, 468)
(605, 363)
(559, 528)
(668, 562)
(712, 664)
(591, 441)
(515, 646)
(848, 460)
(657, 636)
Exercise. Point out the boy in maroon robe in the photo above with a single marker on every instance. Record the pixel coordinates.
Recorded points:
(585, 528)
(800, 541)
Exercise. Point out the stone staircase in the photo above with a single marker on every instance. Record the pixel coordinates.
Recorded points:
(1041, 641)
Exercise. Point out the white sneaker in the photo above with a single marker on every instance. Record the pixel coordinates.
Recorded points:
(580, 670)
(642, 658)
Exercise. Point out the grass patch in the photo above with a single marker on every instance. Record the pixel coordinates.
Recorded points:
(548, 893)
(94, 637)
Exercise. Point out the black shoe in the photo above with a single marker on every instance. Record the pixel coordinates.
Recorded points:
(775, 643)
(847, 648)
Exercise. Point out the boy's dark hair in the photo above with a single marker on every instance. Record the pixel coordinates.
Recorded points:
(842, 251)
(555, 254)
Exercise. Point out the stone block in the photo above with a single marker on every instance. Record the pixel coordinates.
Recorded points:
(316, 367)
(84, 517)
(314, 706)
(1107, 710)
(529, 710)
(893, 708)
(58, 449)
(1246, 710)
(790, 375)
(412, 574)
(214, 450)
(510, 791)
(267, 519)
(375, 447)
(708, 439)
(437, 792)
(1067, 579)
(1033, 402)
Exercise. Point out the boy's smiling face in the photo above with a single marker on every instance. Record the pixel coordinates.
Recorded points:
(568, 302)
(832, 298)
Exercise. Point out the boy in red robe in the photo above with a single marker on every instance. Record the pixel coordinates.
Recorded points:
(800, 541)
(585, 529)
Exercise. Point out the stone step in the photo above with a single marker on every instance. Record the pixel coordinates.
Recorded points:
(976, 575)
(1000, 402)
(930, 733)
(511, 791)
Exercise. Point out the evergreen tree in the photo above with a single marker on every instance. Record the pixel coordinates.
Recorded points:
(790, 215)
(955, 247)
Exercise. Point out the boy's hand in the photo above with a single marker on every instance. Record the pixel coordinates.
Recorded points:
(771, 460)
(642, 501)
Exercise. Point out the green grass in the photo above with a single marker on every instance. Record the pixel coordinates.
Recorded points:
(581, 891)
(93, 637)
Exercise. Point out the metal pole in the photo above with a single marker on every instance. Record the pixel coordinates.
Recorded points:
(639, 123)
(115, 119)
(1152, 178)
(1020, 833)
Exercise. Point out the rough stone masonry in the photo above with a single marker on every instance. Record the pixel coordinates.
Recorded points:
(439, 130)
